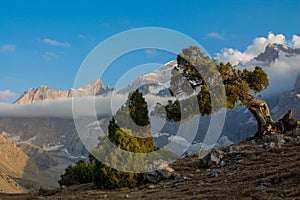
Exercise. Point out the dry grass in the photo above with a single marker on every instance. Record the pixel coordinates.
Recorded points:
(261, 174)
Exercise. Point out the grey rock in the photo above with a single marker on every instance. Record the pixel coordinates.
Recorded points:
(213, 174)
(103, 196)
(259, 147)
(270, 145)
(239, 161)
(214, 157)
(233, 149)
(151, 186)
(276, 138)
(159, 175)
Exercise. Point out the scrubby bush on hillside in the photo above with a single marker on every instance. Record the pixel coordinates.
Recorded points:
(122, 133)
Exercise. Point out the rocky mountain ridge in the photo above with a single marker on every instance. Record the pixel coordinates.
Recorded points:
(44, 92)
(155, 83)
(273, 51)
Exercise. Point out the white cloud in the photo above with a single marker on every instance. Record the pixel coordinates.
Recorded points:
(258, 46)
(215, 35)
(55, 43)
(282, 74)
(7, 48)
(233, 56)
(296, 41)
(84, 106)
(7, 95)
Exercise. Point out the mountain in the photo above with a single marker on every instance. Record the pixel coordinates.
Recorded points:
(297, 85)
(43, 132)
(51, 144)
(274, 51)
(289, 100)
(12, 164)
(155, 83)
(20, 170)
(43, 92)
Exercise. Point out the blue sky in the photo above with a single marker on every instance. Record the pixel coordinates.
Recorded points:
(44, 42)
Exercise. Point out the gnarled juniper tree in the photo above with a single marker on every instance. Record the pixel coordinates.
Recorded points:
(242, 87)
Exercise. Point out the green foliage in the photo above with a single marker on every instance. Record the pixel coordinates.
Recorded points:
(124, 139)
(136, 140)
(109, 178)
(78, 174)
(173, 111)
(190, 61)
(257, 79)
(138, 109)
(134, 115)
(204, 100)
(196, 68)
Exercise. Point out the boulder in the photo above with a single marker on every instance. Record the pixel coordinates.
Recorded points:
(214, 157)
(160, 174)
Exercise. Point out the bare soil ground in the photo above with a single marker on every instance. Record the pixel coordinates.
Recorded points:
(249, 170)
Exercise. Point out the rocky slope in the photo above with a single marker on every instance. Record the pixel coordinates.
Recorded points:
(264, 168)
(46, 133)
(43, 92)
(12, 164)
(19, 170)
(51, 144)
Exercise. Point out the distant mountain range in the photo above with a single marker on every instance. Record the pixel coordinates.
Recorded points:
(155, 83)
(43, 92)
(271, 53)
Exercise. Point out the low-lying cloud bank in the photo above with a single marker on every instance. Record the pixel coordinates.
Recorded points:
(6, 95)
(63, 108)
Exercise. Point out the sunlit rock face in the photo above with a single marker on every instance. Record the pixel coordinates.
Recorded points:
(43, 92)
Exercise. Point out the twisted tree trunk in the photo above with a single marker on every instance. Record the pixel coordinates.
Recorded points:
(261, 112)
